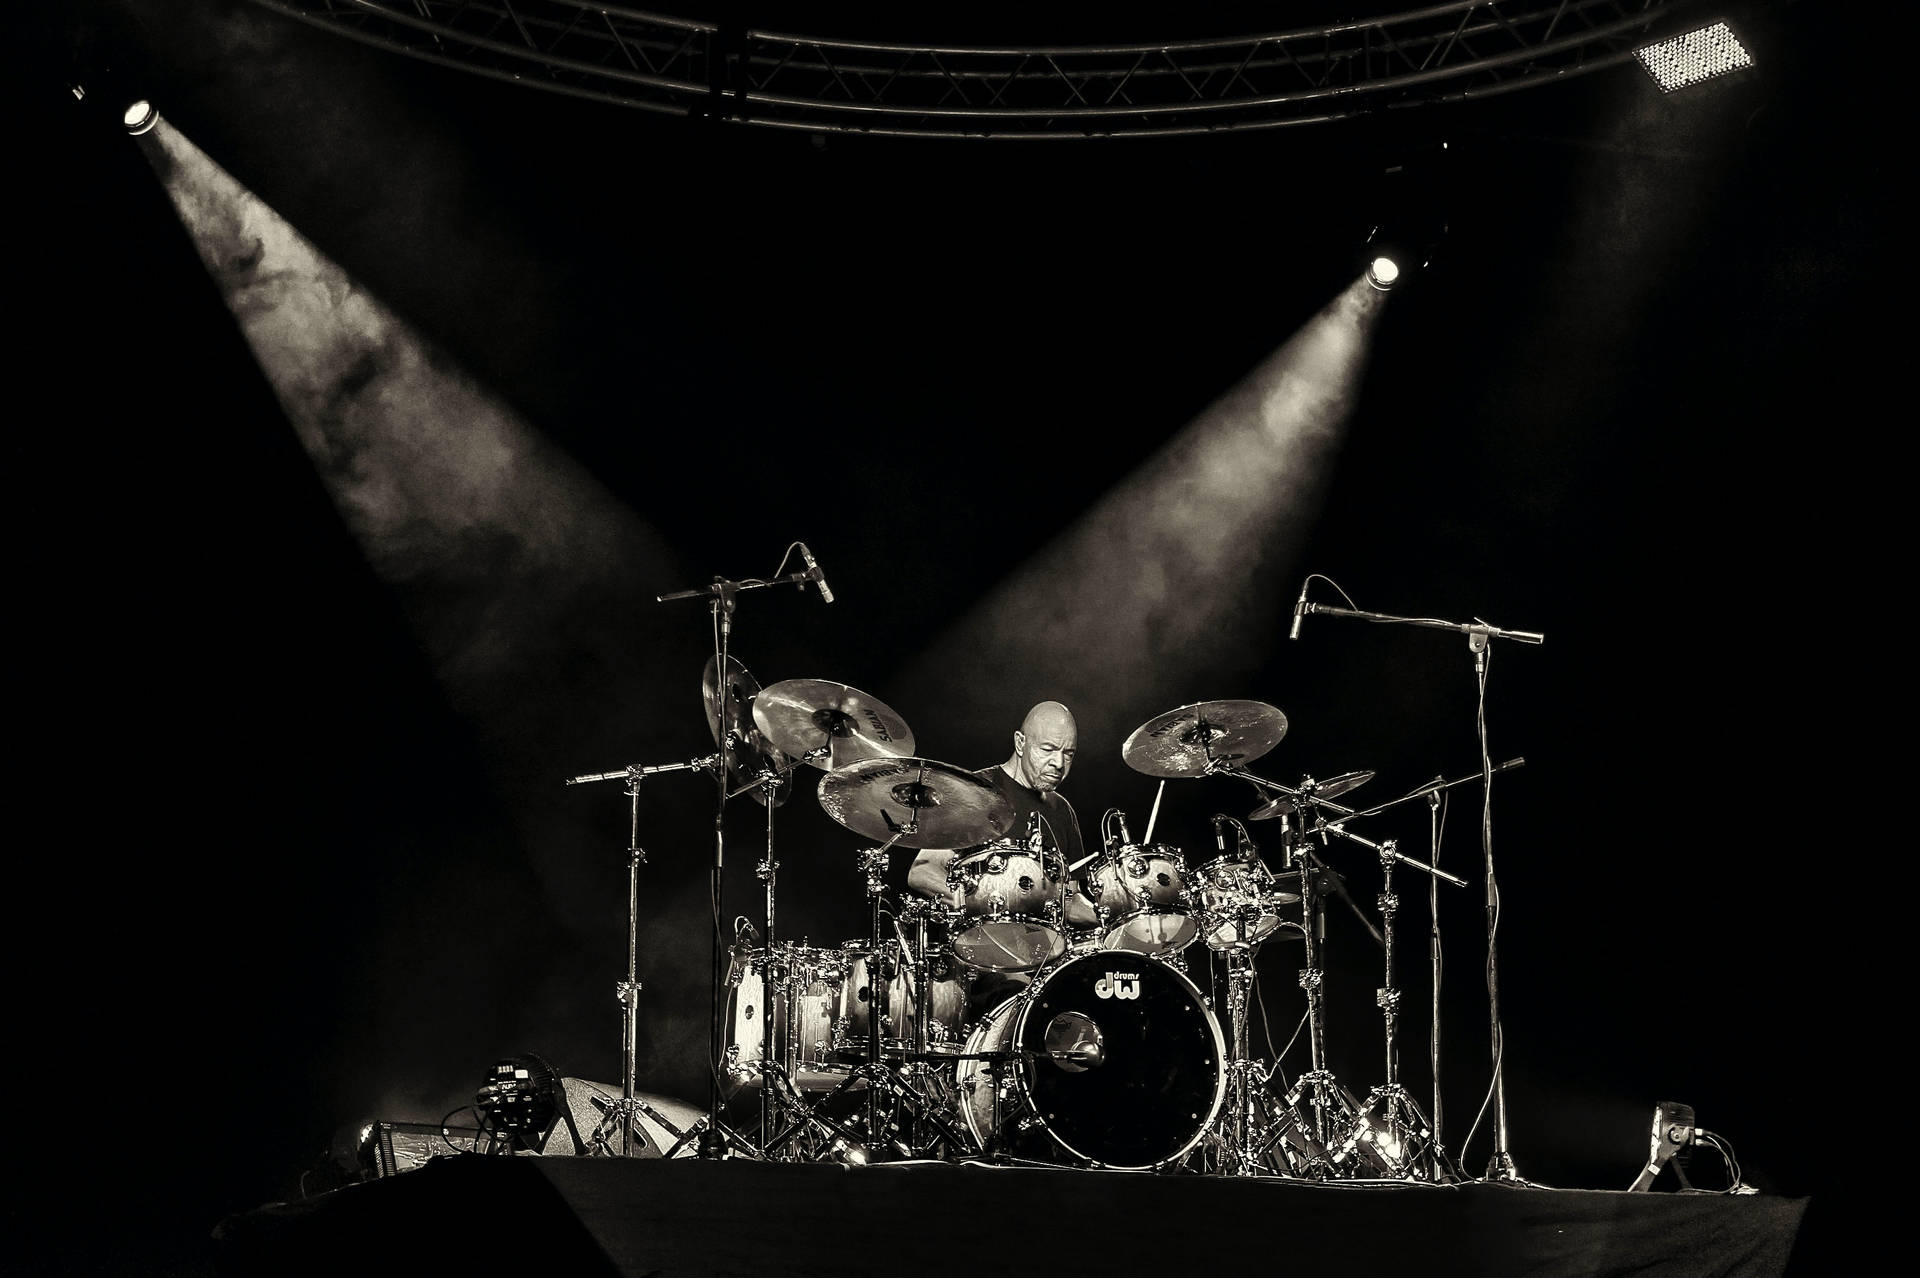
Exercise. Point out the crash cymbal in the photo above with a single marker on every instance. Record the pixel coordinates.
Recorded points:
(750, 757)
(799, 716)
(1185, 742)
(1307, 791)
(937, 804)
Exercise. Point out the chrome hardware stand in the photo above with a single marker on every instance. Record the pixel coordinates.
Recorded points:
(1392, 1133)
(1334, 1109)
(1480, 636)
(895, 1110)
(620, 1114)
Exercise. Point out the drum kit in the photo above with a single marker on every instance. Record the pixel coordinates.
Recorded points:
(1111, 1055)
(1105, 1053)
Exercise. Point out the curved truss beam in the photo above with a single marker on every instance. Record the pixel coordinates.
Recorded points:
(1442, 52)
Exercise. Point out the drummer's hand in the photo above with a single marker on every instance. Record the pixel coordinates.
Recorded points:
(928, 876)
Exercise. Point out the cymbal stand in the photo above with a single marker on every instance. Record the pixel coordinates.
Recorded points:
(918, 1072)
(766, 872)
(1397, 1136)
(620, 1114)
(1432, 1160)
(1334, 1108)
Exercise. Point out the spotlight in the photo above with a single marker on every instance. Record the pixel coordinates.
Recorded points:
(1675, 1134)
(1673, 1131)
(518, 1103)
(139, 117)
(1409, 199)
(1696, 56)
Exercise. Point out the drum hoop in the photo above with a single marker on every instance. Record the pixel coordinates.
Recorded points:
(1160, 911)
(1017, 1031)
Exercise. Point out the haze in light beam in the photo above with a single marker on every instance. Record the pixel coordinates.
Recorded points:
(445, 488)
(1172, 574)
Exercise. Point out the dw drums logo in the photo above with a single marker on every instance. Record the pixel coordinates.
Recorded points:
(1118, 985)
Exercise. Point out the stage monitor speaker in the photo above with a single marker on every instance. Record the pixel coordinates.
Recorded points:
(405, 1147)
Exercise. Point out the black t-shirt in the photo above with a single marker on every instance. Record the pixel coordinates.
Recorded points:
(1059, 828)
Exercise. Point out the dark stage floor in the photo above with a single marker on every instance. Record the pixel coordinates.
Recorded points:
(640, 1216)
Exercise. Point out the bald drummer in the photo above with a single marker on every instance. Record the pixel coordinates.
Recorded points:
(1029, 779)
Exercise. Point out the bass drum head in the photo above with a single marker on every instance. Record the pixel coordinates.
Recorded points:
(1157, 1085)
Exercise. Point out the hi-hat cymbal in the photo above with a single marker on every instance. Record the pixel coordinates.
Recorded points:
(936, 804)
(750, 757)
(800, 716)
(1187, 742)
(1308, 791)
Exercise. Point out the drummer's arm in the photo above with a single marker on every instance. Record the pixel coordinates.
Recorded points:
(928, 876)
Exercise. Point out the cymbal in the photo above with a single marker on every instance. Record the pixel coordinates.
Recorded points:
(751, 756)
(1183, 742)
(1309, 789)
(937, 804)
(800, 716)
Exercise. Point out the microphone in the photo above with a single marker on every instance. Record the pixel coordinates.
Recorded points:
(1126, 836)
(1219, 838)
(820, 578)
(1299, 608)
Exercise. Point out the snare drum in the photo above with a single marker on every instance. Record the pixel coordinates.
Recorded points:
(805, 983)
(1141, 894)
(1008, 919)
(886, 979)
(1240, 903)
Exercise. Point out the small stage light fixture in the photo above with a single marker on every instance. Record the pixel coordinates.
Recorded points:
(518, 1103)
(1694, 57)
(1383, 272)
(140, 117)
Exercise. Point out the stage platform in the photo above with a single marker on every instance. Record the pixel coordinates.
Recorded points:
(609, 1217)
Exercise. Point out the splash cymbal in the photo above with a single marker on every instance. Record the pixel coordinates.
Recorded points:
(926, 803)
(1307, 792)
(1191, 741)
(802, 716)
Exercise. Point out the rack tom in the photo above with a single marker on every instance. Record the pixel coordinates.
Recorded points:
(1141, 896)
(1240, 903)
(1008, 918)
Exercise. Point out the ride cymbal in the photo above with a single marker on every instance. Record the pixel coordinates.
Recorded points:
(1191, 741)
(926, 803)
(801, 716)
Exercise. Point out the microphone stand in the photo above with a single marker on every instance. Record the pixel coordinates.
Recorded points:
(724, 594)
(1479, 635)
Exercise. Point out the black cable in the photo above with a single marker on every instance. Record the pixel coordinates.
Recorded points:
(1493, 894)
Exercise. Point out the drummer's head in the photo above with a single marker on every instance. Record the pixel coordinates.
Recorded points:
(1043, 746)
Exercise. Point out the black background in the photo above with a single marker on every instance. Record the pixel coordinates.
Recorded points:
(288, 865)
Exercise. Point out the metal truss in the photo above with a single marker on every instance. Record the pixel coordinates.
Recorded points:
(1438, 53)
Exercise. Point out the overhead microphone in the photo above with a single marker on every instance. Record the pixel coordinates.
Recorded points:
(1219, 838)
(1299, 609)
(820, 578)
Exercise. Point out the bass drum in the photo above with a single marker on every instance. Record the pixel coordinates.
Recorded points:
(1128, 1070)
